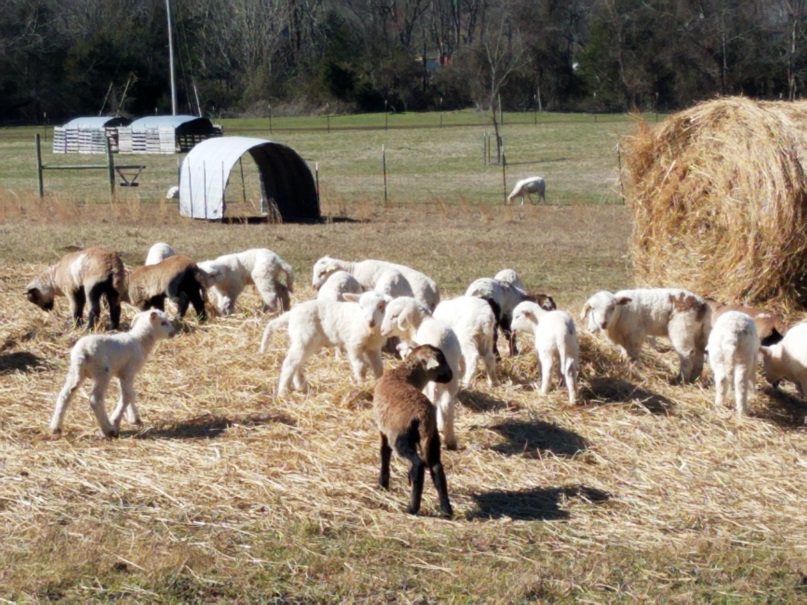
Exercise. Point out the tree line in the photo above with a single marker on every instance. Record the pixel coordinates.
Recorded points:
(64, 58)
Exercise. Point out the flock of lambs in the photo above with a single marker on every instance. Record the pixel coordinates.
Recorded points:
(365, 307)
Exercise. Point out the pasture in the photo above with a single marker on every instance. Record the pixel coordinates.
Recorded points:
(641, 492)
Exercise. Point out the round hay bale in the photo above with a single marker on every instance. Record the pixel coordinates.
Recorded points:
(719, 201)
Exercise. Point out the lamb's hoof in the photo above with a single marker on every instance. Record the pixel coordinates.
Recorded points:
(451, 444)
(411, 510)
(109, 435)
(447, 513)
(56, 434)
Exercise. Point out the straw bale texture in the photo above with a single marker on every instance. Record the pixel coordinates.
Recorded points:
(718, 198)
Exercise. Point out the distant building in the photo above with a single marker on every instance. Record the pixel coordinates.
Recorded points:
(88, 134)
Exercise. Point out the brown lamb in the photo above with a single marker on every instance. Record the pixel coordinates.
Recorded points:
(176, 277)
(407, 421)
(84, 274)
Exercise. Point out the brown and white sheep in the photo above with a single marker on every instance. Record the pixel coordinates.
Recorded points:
(407, 422)
(770, 327)
(85, 274)
(176, 277)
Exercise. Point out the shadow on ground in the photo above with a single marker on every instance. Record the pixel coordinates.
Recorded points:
(534, 504)
(533, 438)
(209, 427)
(20, 361)
(481, 403)
(785, 410)
(618, 390)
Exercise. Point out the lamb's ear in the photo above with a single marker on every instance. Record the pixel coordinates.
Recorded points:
(331, 267)
(350, 297)
(432, 364)
(154, 315)
(623, 300)
(584, 312)
(405, 317)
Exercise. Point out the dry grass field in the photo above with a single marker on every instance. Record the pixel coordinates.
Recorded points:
(642, 492)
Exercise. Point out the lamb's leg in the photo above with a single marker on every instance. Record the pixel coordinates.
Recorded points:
(71, 385)
(490, 368)
(406, 449)
(195, 296)
(292, 369)
(471, 358)
(113, 302)
(95, 304)
(386, 453)
(509, 335)
(721, 385)
(570, 377)
(358, 365)
(444, 402)
(125, 405)
(547, 359)
(97, 405)
(438, 474)
(77, 301)
(741, 384)
(376, 362)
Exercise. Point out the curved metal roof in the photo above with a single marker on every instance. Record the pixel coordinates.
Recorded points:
(141, 124)
(96, 122)
(285, 178)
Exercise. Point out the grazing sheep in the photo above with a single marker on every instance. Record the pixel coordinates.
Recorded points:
(528, 186)
(555, 337)
(261, 267)
(337, 285)
(407, 422)
(630, 316)
(158, 252)
(411, 321)
(370, 273)
(769, 325)
(108, 356)
(474, 323)
(787, 359)
(353, 326)
(86, 274)
(510, 277)
(733, 346)
(503, 298)
(176, 277)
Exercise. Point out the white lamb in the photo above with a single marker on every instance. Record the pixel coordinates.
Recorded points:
(555, 337)
(370, 273)
(630, 316)
(261, 267)
(103, 357)
(410, 320)
(337, 285)
(510, 277)
(158, 252)
(503, 298)
(733, 347)
(528, 186)
(474, 323)
(787, 359)
(353, 326)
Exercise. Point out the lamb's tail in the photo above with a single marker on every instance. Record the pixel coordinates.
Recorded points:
(289, 271)
(270, 327)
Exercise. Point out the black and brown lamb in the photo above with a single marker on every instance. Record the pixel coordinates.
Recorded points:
(407, 421)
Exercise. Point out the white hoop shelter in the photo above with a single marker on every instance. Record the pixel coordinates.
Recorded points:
(285, 179)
